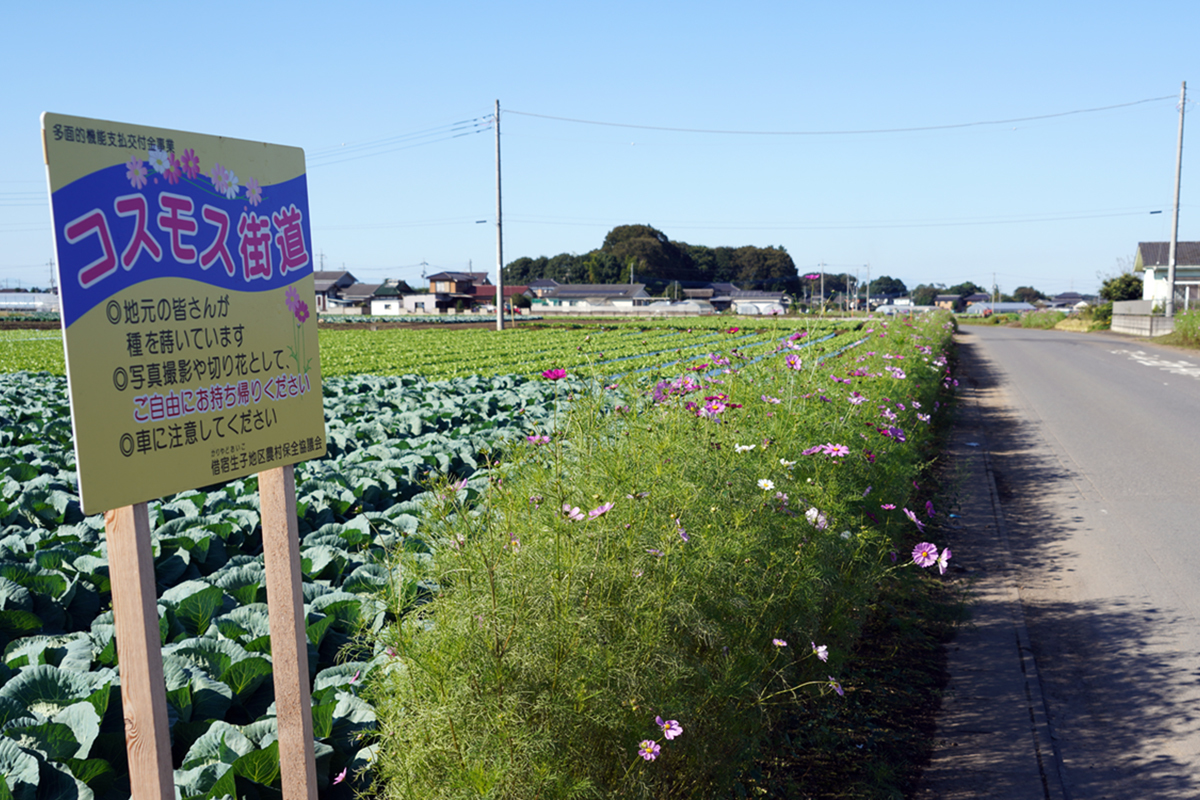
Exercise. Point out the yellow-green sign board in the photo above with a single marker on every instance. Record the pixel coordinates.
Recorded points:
(186, 292)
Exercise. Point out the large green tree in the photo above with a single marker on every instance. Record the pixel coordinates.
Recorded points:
(888, 285)
(1027, 294)
(924, 294)
(965, 288)
(645, 254)
(1126, 286)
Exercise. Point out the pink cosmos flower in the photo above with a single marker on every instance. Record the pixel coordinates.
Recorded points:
(925, 554)
(341, 776)
(941, 561)
(301, 311)
(835, 450)
(648, 749)
(572, 513)
(220, 178)
(671, 728)
(888, 506)
(596, 513)
(253, 192)
(291, 298)
(554, 374)
(779, 642)
(771, 400)
(136, 172)
(837, 687)
(913, 517)
(794, 361)
(190, 163)
(538, 439)
(820, 651)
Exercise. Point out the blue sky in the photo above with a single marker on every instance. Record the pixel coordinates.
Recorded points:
(369, 90)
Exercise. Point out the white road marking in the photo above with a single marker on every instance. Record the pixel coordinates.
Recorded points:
(1185, 368)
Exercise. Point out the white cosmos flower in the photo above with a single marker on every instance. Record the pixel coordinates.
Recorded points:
(159, 160)
(766, 485)
(231, 191)
(742, 448)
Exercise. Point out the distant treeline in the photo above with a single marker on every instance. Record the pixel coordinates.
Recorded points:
(643, 254)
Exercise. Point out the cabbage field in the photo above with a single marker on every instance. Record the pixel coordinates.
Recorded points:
(411, 415)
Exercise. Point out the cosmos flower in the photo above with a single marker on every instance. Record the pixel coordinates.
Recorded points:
(925, 554)
(671, 728)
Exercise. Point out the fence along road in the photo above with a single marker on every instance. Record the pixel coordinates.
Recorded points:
(1098, 473)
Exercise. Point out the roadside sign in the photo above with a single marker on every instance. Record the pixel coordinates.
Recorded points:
(186, 283)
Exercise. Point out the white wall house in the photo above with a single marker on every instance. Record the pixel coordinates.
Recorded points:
(1152, 262)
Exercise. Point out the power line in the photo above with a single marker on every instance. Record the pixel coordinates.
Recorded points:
(848, 132)
(405, 141)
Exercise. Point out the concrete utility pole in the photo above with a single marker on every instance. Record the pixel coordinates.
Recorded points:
(1170, 308)
(499, 234)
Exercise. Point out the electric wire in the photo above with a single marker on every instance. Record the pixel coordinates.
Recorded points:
(850, 131)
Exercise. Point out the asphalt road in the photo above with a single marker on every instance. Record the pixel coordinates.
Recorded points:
(1095, 448)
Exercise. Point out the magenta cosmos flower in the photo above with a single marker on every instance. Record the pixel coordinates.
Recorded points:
(301, 311)
(190, 163)
(554, 374)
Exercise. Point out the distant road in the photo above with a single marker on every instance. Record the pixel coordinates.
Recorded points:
(1095, 444)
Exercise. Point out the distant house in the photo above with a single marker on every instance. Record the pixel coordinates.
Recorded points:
(977, 297)
(389, 298)
(1069, 300)
(759, 303)
(328, 287)
(1152, 261)
(717, 295)
(486, 295)
(952, 302)
(452, 290)
(592, 296)
(543, 286)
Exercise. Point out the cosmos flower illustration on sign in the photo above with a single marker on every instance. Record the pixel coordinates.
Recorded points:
(222, 181)
(298, 351)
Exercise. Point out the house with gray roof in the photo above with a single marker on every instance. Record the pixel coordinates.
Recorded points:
(584, 297)
(1152, 262)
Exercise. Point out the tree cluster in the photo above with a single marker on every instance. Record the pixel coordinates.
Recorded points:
(644, 254)
(1126, 286)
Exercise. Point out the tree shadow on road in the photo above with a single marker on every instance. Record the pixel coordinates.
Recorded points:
(1118, 716)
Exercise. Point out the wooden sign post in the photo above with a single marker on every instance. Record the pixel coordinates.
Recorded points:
(289, 635)
(139, 652)
(187, 298)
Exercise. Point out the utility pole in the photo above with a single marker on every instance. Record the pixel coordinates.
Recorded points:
(822, 268)
(1170, 308)
(499, 234)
